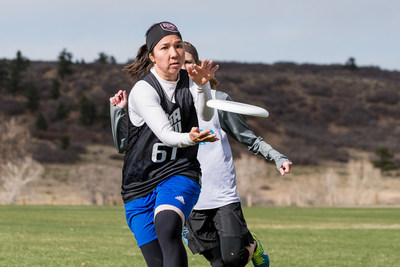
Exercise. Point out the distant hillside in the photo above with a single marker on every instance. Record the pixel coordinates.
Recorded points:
(317, 112)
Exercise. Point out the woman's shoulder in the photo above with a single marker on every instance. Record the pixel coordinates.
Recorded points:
(141, 88)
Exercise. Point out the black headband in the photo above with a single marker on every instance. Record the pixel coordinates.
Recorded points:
(158, 32)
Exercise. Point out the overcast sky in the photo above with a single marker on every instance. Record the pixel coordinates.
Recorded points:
(266, 31)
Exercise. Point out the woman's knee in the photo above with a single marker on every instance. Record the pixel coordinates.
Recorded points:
(168, 224)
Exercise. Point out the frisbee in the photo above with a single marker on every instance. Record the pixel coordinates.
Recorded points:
(237, 107)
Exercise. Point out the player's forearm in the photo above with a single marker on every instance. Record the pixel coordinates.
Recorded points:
(236, 126)
(202, 95)
(263, 148)
(118, 128)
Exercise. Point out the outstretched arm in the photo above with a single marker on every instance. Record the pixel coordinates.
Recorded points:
(235, 125)
(201, 75)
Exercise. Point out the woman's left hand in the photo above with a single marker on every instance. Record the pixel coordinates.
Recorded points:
(202, 74)
(198, 136)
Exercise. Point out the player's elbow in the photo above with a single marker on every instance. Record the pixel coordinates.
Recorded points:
(207, 114)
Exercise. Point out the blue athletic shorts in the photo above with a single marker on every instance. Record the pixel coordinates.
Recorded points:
(178, 191)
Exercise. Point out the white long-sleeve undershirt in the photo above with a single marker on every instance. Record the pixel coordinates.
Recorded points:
(144, 107)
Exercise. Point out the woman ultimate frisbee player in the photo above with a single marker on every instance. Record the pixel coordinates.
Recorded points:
(216, 227)
(161, 173)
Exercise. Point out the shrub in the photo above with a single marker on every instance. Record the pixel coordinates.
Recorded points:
(384, 159)
(41, 122)
(12, 107)
(61, 112)
(48, 152)
(87, 110)
(55, 89)
(64, 141)
(390, 97)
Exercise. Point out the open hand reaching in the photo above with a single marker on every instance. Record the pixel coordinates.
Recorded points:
(202, 74)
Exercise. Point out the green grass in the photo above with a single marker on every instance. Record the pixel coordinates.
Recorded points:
(99, 236)
(328, 236)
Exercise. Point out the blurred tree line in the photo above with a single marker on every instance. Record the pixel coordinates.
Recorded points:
(49, 100)
(317, 112)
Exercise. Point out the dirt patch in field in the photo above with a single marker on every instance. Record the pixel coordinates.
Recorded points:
(351, 184)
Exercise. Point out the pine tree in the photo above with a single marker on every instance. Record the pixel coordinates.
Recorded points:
(351, 64)
(64, 63)
(61, 112)
(4, 79)
(32, 95)
(104, 116)
(17, 66)
(112, 60)
(55, 89)
(87, 110)
(103, 58)
(384, 162)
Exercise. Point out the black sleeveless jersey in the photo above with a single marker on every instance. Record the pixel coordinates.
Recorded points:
(148, 161)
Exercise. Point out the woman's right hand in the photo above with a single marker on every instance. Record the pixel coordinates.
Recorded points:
(202, 136)
(119, 99)
(203, 73)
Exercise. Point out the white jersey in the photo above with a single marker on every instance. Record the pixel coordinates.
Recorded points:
(217, 167)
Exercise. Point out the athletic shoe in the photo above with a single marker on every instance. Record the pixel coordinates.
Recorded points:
(260, 257)
(185, 231)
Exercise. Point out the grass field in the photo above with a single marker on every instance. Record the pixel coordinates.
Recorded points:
(98, 236)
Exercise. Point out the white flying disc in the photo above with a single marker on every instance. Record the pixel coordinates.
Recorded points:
(237, 107)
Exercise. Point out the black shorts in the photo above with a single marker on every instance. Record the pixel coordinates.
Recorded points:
(205, 227)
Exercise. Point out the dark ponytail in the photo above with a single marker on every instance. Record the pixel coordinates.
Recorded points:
(140, 66)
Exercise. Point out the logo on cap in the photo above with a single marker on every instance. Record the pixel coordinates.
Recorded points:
(166, 26)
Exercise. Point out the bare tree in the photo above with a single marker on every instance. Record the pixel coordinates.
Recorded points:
(250, 171)
(13, 139)
(364, 181)
(15, 175)
(17, 168)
